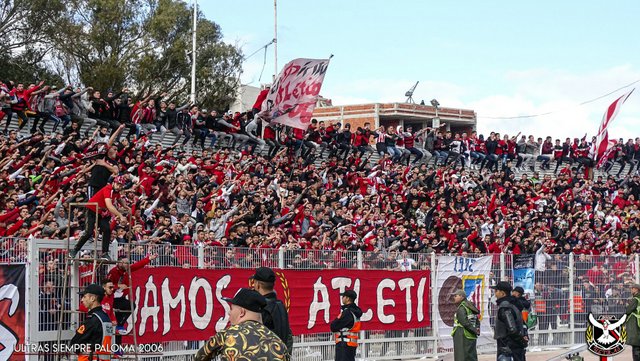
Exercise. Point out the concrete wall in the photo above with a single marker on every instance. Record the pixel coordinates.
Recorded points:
(245, 99)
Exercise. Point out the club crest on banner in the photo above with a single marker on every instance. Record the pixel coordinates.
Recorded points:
(473, 286)
(606, 335)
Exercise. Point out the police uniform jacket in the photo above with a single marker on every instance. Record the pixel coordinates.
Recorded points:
(97, 329)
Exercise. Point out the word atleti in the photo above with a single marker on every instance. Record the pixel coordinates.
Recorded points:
(187, 305)
(65, 349)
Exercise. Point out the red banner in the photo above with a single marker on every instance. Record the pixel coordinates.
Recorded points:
(12, 310)
(187, 304)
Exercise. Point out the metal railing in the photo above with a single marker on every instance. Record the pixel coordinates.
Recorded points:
(567, 288)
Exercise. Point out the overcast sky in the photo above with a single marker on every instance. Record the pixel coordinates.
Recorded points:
(501, 59)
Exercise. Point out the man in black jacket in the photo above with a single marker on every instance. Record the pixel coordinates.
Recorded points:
(274, 315)
(95, 336)
(509, 329)
(346, 327)
(521, 303)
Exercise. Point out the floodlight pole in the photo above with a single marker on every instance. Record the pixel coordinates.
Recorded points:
(193, 52)
(275, 38)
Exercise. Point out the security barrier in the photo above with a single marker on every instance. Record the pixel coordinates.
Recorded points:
(567, 287)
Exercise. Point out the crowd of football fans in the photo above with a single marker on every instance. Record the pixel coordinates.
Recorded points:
(233, 180)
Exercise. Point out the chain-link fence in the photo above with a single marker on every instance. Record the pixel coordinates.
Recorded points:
(567, 287)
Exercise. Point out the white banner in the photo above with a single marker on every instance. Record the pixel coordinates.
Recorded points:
(471, 275)
(293, 96)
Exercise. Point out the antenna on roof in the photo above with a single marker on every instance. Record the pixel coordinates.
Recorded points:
(409, 94)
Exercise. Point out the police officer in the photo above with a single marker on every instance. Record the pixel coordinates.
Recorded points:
(246, 338)
(633, 322)
(523, 304)
(94, 338)
(274, 315)
(466, 328)
(346, 327)
(509, 328)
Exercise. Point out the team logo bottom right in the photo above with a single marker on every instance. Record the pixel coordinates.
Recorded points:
(606, 335)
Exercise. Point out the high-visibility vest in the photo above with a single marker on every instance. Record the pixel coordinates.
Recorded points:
(350, 336)
(456, 324)
(636, 314)
(108, 340)
(541, 306)
(578, 304)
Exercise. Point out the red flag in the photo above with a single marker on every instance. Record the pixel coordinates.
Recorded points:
(602, 139)
(293, 96)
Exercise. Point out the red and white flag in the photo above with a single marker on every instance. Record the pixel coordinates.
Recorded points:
(292, 98)
(603, 144)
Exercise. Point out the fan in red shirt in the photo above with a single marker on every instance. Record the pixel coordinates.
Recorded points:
(107, 301)
(104, 198)
(119, 275)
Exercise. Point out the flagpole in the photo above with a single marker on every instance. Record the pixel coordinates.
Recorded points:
(193, 52)
(275, 38)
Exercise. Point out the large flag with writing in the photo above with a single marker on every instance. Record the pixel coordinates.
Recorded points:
(293, 96)
(471, 275)
(188, 304)
(602, 139)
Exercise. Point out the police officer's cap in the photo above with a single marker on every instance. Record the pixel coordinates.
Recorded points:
(519, 289)
(264, 274)
(351, 294)
(635, 285)
(248, 299)
(460, 293)
(502, 286)
(94, 289)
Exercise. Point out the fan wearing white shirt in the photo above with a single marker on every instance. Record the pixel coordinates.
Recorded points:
(405, 263)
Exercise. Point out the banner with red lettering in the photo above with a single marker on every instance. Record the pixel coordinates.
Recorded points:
(12, 310)
(293, 96)
(187, 304)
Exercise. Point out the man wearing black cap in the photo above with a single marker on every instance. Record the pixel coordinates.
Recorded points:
(633, 322)
(274, 315)
(346, 327)
(95, 336)
(509, 328)
(523, 304)
(251, 339)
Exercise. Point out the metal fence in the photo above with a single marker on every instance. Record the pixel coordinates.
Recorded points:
(567, 288)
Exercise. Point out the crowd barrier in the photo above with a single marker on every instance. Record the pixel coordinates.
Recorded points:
(567, 287)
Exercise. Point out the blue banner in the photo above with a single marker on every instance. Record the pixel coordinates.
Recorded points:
(524, 273)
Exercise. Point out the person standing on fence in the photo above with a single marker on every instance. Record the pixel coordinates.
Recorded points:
(246, 338)
(96, 329)
(509, 328)
(274, 315)
(346, 327)
(466, 328)
(633, 322)
(105, 208)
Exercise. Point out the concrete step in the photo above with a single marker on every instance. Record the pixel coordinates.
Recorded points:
(169, 138)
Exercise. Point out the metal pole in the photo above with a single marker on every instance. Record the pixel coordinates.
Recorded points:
(434, 304)
(503, 268)
(275, 38)
(193, 52)
(572, 306)
(281, 258)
